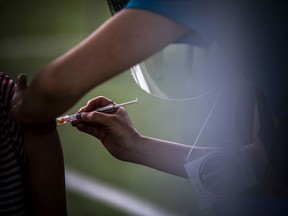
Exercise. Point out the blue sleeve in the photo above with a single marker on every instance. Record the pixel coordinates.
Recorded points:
(191, 13)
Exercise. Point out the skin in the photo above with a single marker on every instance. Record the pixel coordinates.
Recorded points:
(44, 164)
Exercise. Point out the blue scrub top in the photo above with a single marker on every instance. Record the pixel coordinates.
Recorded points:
(259, 37)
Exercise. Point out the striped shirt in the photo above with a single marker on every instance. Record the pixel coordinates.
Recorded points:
(11, 156)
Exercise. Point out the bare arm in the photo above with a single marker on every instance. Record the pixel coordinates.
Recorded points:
(162, 155)
(44, 164)
(45, 173)
(127, 38)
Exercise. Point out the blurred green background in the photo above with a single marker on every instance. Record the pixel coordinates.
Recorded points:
(35, 32)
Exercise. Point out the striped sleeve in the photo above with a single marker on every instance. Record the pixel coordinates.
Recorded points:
(12, 200)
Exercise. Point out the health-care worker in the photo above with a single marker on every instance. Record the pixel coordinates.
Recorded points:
(252, 36)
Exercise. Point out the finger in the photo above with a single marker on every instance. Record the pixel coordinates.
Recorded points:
(94, 131)
(96, 103)
(82, 109)
(21, 81)
(97, 118)
(76, 122)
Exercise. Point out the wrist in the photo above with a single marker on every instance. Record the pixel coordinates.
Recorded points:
(137, 153)
(132, 150)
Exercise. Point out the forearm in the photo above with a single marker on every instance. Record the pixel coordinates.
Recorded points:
(45, 173)
(162, 155)
(170, 157)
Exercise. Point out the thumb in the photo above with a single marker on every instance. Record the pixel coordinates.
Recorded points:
(21, 81)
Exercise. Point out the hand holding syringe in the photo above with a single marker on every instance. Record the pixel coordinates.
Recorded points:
(69, 118)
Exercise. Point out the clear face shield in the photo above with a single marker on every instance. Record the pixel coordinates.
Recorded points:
(180, 71)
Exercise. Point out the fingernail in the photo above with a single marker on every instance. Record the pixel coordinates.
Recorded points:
(83, 115)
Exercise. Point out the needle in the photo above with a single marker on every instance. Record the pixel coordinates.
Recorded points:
(69, 118)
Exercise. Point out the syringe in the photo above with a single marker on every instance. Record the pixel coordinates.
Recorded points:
(69, 118)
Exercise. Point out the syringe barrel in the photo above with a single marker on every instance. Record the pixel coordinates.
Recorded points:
(109, 107)
(74, 117)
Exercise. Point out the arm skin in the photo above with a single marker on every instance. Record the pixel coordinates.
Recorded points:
(44, 164)
(128, 37)
(45, 173)
(165, 156)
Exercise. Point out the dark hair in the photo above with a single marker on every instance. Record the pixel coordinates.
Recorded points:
(116, 5)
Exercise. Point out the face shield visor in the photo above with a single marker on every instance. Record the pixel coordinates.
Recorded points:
(180, 71)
